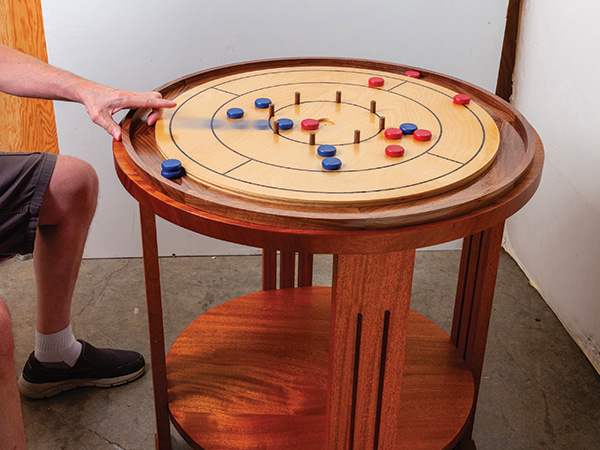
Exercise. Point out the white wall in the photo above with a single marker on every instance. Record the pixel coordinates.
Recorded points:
(556, 237)
(142, 44)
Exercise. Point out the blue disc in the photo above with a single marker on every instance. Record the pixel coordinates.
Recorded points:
(408, 128)
(171, 175)
(285, 124)
(262, 103)
(171, 165)
(326, 150)
(235, 113)
(217, 124)
(240, 124)
(331, 164)
(261, 124)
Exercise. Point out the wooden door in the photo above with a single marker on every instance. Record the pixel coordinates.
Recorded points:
(27, 124)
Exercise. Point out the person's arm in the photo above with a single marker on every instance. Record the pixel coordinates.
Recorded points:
(25, 76)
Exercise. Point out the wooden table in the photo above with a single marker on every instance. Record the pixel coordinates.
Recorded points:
(348, 367)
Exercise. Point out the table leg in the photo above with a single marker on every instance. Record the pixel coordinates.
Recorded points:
(287, 264)
(155, 327)
(305, 269)
(269, 269)
(473, 306)
(370, 304)
(287, 268)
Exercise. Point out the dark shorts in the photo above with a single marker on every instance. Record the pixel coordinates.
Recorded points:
(24, 178)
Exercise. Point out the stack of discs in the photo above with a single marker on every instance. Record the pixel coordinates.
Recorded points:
(331, 163)
(171, 168)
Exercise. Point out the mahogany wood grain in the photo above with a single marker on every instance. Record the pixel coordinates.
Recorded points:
(474, 297)
(292, 234)
(287, 267)
(371, 296)
(269, 269)
(27, 124)
(261, 383)
(305, 269)
(155, 327)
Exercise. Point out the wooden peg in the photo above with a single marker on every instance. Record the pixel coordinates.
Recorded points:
(276, 127)
(381, 123)
(311, 139)
(271, 110)
(357, 136)
(338, 97)
(373, 106)
(297, 98)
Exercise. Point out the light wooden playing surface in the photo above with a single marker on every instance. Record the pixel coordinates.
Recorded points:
(244, 156)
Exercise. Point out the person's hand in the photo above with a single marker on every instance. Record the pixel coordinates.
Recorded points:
(102, 102)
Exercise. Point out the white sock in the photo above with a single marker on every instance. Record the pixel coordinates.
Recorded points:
(57, 349)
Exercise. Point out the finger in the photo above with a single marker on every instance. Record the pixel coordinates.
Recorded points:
(144, 100)
(154, 116)
(159, 102)
(114, 130)
(110, 126)
(116, 133)
(162, 103)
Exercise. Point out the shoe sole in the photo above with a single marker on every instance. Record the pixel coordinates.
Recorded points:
(45, 390)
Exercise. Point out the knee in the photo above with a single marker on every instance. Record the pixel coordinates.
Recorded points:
(73, 189)
(76, 181)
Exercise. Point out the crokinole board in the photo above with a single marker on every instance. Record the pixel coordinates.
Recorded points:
(138, 157)
(245, 157)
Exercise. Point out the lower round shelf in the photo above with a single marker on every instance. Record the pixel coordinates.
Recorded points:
(252, 374)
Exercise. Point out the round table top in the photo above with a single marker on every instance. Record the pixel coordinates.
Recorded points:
(246, 183)
(245, 156)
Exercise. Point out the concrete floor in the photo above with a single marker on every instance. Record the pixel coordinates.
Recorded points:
(538, 390)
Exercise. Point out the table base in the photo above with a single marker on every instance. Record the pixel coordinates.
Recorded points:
(252, 374)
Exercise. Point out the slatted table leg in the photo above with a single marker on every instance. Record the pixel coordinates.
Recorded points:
(370, 304)
(305, 269)
(473, 306)
(269, 272)
(287, 265)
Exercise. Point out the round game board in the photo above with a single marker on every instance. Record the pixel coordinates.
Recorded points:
(245, 156)
(244, 170)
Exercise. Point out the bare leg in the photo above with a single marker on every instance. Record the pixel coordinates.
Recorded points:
(12, 433)
(65, 218)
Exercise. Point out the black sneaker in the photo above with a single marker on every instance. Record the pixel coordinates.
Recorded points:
(100, 367)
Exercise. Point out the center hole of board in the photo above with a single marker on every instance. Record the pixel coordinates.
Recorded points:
(326, 122)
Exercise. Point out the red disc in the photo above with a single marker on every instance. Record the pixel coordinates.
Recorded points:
(393, 133)
(394, 150)
(461, 99)
(310, 124)
(422, 135)
(376, 81)
(412, 74)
